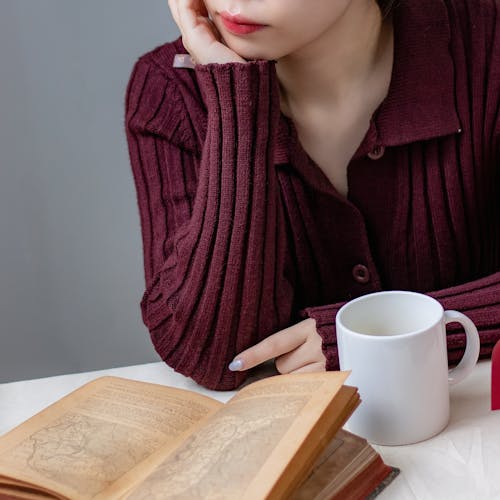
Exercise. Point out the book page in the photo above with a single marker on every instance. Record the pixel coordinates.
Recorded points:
(86, 441)
(224, 457)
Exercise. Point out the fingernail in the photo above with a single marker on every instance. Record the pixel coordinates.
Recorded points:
(183, 61)
(236, 365)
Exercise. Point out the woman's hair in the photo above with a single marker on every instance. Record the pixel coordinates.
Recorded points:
(386, 6)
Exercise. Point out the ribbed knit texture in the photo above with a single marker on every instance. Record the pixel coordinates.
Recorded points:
(244, 235)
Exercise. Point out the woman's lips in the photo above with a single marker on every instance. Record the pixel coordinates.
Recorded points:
(239, 25)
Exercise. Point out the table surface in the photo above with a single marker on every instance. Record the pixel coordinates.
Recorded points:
(462, 462)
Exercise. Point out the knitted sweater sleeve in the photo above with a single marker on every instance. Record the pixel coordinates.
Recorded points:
(209, 220)
(479, 300)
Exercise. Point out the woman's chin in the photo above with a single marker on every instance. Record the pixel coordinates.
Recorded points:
(254, 54)
(249, 50)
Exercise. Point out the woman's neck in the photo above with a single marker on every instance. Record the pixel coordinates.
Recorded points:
(340, 63)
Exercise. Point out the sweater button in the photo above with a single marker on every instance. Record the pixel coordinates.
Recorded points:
(376, 153)
(361, 273)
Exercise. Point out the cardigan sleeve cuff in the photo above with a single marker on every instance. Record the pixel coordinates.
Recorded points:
(229, 83)
(325, 326)
(479, 300)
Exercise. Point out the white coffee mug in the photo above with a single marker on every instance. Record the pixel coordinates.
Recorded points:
(395, 345)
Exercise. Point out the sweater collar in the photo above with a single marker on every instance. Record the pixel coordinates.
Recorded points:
(420, 103)
(416, 107)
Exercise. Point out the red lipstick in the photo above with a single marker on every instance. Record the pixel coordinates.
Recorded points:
(239, 25)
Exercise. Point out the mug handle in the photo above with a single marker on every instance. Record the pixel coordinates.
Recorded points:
(471, 355)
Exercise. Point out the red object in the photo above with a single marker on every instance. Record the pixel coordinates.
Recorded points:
(495, 377)
(367, 481)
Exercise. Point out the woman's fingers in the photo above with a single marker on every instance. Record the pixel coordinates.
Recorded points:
(271, 347)
(198, 33)
(174, 10)
(183, 20)
(187, 15)
(309, 352)
(197, 6)
(292, 348)
(312, 367)
(200, 37)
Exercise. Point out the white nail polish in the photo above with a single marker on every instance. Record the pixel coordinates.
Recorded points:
(183, 61)
(236, 365)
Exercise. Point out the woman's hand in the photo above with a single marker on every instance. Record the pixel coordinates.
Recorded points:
(199, 34)
(295, 349)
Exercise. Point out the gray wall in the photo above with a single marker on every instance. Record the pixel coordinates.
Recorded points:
(70, 251)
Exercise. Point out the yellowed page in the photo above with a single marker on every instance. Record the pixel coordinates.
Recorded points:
(295, 464)
(226, 457)
(88, 440)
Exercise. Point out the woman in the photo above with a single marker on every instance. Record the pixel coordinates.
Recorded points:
(314, 151)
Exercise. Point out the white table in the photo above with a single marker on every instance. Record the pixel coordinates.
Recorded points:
(463, 462)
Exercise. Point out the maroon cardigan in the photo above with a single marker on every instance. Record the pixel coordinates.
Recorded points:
(244, 235)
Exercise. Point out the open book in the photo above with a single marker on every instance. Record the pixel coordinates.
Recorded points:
(119, 438)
